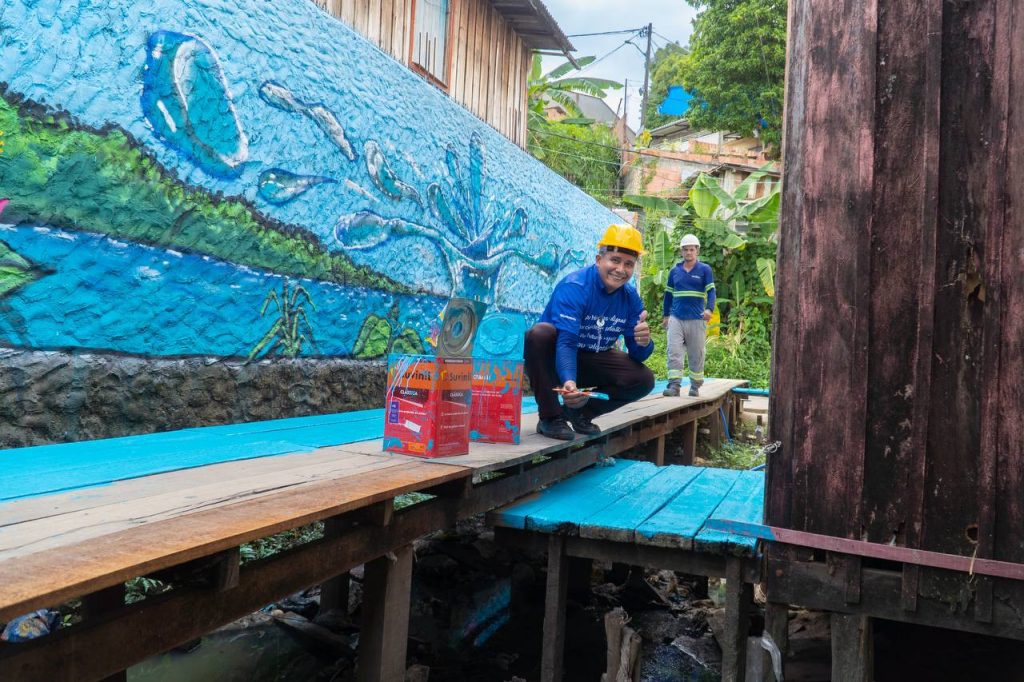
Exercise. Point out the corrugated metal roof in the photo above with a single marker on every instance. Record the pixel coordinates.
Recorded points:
(533, 23)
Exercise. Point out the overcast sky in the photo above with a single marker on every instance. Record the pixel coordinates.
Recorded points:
(673, 22)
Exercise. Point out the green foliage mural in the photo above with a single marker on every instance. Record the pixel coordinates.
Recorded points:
(291, 327)
(63, 174)
(382, 335)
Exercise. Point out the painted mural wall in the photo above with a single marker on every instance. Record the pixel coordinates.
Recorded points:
(202, 192)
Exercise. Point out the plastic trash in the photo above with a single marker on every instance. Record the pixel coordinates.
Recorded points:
(30, 626)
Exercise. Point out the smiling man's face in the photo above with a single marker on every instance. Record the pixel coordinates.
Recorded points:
(615, 269)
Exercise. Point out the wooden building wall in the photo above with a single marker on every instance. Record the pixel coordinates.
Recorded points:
(489, 62)
(898, 379)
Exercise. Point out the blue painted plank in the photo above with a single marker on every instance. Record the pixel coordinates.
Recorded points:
(619, 520)
(515, 515)
(751, 391)
(572, 506)
(678, 522)
(745, 502)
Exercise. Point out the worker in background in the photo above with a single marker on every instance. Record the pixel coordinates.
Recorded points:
(689, 303)
(572, 344)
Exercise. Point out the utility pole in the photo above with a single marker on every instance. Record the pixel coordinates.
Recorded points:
(647, 78)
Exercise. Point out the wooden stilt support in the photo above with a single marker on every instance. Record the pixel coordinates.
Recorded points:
(554, 611)
(776, 624)
(385, 631)
(738, 597)
(654, 451)
(334, 593)
(689, 442)
(100, 603)
(852, 648)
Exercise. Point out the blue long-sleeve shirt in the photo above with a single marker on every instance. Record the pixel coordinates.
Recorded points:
(689, 294)
(588, 318)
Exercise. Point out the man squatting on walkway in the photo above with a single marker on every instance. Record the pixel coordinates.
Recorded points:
(689, 302)
(572, 344)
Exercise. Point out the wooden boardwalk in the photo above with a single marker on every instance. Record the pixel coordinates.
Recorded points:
(85, 542)
(639, 514)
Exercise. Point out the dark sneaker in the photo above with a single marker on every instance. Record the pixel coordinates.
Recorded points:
(581, 423)
(694, 391)
(556, 428)
(672, 390)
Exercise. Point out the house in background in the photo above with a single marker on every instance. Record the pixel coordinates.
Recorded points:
(477, 51)
(678, 153)
(593, 108)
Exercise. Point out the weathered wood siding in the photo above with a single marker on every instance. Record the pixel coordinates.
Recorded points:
(898, 379)
(489, 62)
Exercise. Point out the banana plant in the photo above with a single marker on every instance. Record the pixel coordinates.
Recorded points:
(718, 213)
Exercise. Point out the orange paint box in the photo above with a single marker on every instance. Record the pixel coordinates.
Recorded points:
(427, 405)
(497, 407)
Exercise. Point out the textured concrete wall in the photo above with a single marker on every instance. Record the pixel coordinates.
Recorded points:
(48, 397)
(196, 185)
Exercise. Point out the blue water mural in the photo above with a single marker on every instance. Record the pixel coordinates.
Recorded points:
(169, 303)
(330, 138)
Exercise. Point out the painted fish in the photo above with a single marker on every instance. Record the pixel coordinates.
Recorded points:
(280, 97)
(278, 186)
(384, 177)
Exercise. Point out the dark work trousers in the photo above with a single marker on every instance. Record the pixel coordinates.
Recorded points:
(611, 371)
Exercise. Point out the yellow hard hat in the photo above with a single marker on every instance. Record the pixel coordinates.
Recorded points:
(622, 237)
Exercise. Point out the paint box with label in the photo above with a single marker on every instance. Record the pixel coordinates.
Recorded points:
(497, 406)
(427, 405)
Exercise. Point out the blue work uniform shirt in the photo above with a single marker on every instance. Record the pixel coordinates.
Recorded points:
(590, 319)
(689, 294)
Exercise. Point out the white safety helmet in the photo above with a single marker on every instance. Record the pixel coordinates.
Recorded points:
(689, 240)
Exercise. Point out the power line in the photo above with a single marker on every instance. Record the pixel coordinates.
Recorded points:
(668, 40)
(605, 33)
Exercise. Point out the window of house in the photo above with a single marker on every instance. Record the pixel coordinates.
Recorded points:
(430, 38)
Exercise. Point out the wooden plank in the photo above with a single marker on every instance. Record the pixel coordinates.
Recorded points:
(964, 340)
(373, 22)
(919, 557)
(34, 536)
(516, 515)
(387, 25)
(678, 522)
(567, 511)
(456, 39)
(739, 596)
(53, 576)
(348, 12)
(689, 441)
(46, 506)
(1009, 526)
(826, 260)
(852, 648)
(554, 610)
(746, 500)
(471, 63)
(618, 521)
(387, 589)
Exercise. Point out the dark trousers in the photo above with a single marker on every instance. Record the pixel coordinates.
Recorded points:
(611, 371)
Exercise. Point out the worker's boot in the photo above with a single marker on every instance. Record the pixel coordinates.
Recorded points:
(672, 390)
(556, 428)
(694, 390)
(581, 423)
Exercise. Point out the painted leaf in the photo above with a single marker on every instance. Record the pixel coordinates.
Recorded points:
(373, 338)
(408, 342)
(15, 270)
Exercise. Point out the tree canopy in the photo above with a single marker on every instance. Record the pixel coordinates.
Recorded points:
(737, 66)
(669, 66)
